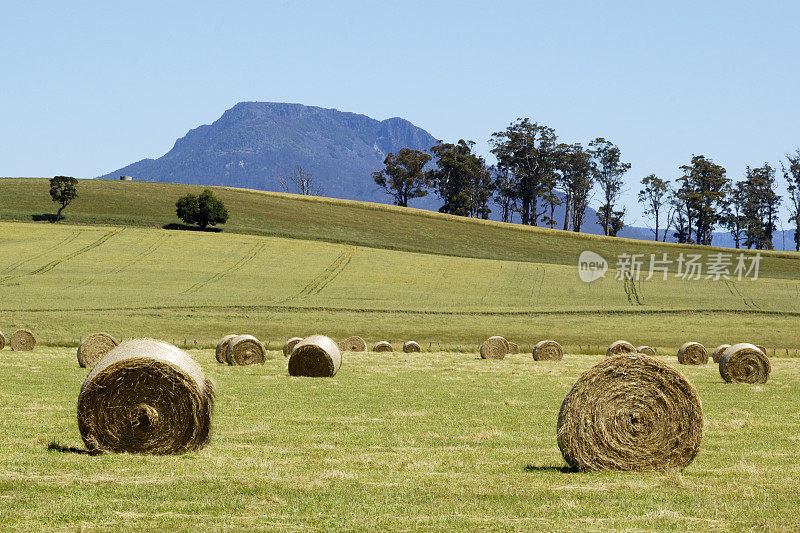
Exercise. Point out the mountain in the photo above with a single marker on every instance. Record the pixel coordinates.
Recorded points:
(254, 144)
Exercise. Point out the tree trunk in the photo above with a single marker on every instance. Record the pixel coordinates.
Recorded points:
(567, 211)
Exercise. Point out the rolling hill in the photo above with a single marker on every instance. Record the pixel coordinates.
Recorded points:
(287, 265)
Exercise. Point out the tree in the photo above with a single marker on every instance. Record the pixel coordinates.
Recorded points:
(461, 180)
(680, 216)
(302, 182)
(653, 196)
(703, 189)
(576, 172)
(504, 192)
(791, 174)
(734, 219)
(610, 170)
(203, 210)
(404, 177)
(528, 151)
(760, 207)
(63, 190)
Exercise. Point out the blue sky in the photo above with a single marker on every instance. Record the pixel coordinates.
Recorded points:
(89, 87)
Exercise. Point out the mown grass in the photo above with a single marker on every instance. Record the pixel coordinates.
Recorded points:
(432, 441)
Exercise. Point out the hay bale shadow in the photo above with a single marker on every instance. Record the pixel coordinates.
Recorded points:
(184, 227)
(56, 447)
(45, 217)
(565, 469)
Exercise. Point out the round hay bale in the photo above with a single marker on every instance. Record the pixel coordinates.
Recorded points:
(146, 396)
(647, 350)
(505, 342)
(2, 340)
(222, 348)
(289, 346)
(692, 353)
(316, 356)
(513, 347)
(95, 347)
(718, 352)
(411, 347)
(762, 348)
(245, 350)
(548, 351)
(744, 363)
(383, 346)
(620, 347)
(630, 412)
(353, 344)
(22, 340)
(494, 348)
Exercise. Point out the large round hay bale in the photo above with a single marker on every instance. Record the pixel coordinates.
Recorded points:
(383, 346)
(692, 353)
(222, 347)
(494, 348)
(630, 412)
(289, 346)
(411, 347)
(95, 347)
(145, 396)
(353, 344)
(717, 353)
(513, 347)
(548, 351)
(647, 350)
(505, 342)
(316, 356)
(245, 350)
(744, 363)
(2, 340)
(620, 347)
(23, 340)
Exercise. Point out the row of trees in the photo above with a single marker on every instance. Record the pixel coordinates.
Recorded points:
(535, 173)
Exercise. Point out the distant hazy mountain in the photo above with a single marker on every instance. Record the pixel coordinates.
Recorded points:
(253, 144)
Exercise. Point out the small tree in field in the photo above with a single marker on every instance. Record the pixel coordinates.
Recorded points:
(63, 190)
(203, 210)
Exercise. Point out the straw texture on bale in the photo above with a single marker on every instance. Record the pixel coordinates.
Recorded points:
(647, 350)
(762, 348)
(289, 346)
(494, 348)
(95, 347)
(22, 340)
(692, 353)
(411, 346)
(222, 348)
(548, 351)
(2, 340)
(505, 342)
(620, 347)
(513, 347)
(383, 346)
(630, 412)
(146, 396)
(744, 363)
(245, 350)
(718, 352)
(316, 356)
(353, 344)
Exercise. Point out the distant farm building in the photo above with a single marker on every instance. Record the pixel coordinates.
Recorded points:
(126, 178)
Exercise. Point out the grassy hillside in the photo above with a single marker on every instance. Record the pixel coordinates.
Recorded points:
(65, 280)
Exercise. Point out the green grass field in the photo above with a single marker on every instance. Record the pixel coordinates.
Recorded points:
(433, 441)
(436, 441)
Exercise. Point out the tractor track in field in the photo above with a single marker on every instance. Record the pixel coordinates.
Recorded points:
(56, 262)
(330, 273)
(246, 258)
(161, 239)
(13, 266)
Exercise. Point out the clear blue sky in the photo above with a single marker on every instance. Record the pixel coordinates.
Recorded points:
(89, 87)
